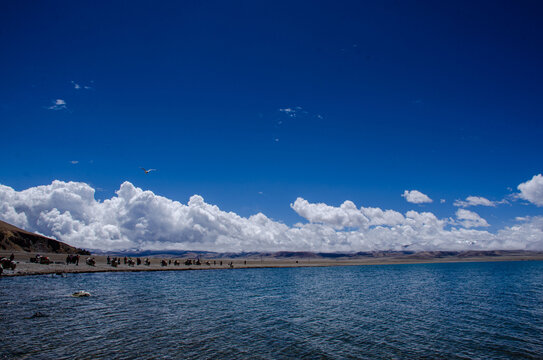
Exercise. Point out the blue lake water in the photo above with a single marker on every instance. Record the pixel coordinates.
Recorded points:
(463, 310)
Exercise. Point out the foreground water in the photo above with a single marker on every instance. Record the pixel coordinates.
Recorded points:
(463, 310)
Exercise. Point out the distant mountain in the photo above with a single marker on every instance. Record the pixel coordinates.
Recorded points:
(14, 239)
(307, 255)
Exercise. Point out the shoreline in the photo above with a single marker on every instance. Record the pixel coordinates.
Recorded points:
(58, 267)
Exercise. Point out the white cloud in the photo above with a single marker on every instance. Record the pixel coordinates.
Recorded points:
(134, 219)
(416, 197)
(79, 86)
(296, 111)
(476, 201)
(74, 162)
(138, 219)
(58, 104)
(442, 201)
(527, 235)
(469, 219)
(289, 111)
(347, 215)
(532, 190)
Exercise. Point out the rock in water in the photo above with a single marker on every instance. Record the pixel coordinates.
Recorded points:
(81, 293)
(38, 315)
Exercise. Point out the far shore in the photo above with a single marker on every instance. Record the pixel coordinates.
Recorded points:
(59, 266)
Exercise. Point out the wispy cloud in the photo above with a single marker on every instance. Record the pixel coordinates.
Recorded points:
(298, 112)
(474, 201)
(478, 201)
(289, 114)
(292, 112)
(80, 86)
(74, 162)
(58, 104)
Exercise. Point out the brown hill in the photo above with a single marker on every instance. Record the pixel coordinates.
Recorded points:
(14, 239)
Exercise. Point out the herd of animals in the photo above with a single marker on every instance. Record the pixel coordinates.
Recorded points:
(10, 264)
(116, 261)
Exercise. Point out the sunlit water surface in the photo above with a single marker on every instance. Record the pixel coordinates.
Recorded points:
(465, 310)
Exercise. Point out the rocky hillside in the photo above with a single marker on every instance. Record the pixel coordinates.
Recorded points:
(14, 239)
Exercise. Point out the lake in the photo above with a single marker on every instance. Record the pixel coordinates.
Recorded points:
(457, 310)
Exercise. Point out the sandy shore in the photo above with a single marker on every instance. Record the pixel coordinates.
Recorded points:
(58, 265)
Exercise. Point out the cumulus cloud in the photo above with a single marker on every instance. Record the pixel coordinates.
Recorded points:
(416, 197)
(138, 219)
(469, 219)
(532, 190)
(346, 215)
(133, 219)
(526, 235)
(476, 201)
(58, 104)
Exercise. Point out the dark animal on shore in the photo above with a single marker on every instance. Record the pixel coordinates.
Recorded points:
(138, 261)
(72, 259)
(40, 260)
(131, 262)
(188, 262)
(163, 263)
(147, 262)
(114, 263)
(7, 264)
(91, 262)
(176, 263)
(208, 263)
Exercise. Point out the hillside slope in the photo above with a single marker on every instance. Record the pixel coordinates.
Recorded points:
(14, 239)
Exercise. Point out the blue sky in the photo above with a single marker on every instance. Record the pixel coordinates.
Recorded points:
(252, 105)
